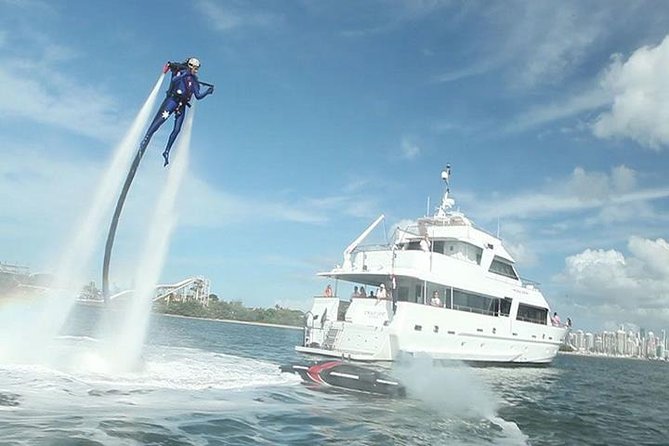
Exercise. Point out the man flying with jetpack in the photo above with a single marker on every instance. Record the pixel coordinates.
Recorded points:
(183, 85)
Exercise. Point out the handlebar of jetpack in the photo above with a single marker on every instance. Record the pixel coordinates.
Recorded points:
(181, 66)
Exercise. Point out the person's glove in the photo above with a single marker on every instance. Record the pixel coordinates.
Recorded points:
(210, 90)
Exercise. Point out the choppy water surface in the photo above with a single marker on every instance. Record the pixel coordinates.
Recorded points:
(216, 383)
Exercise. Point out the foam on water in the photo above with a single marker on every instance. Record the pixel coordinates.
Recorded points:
(449, 389)
(82, 395)
(82, 366)
(454, 390)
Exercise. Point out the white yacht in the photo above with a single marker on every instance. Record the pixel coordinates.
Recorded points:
(449, 290)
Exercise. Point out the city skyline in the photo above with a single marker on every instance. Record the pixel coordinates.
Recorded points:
(621, 343)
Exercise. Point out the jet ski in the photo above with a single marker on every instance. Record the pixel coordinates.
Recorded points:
(343, 375)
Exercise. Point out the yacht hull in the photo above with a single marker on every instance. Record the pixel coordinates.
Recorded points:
(372, 332)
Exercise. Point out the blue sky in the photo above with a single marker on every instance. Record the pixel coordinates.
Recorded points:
(555, 117)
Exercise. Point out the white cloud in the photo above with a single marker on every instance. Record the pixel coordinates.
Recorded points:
(224, 208)
(29, 5)
(42, 93)
(378, 16)
(639, 87)
(601, 186)
(606, 281)
(534, 43)
(232, 15)
(517, 241)
(39, 191)
(476, 69)
(550, 42)
(522, 253)
(410, 150)
(582, 190)
(582, 102)
(653, 253)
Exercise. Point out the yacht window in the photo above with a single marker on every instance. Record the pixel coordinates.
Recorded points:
(474, 303)
(414, 246)
(403, 293)
(462, 251)
(438, 246)
(505, 306)
(536, 315)
(419, 293)
(502, 268)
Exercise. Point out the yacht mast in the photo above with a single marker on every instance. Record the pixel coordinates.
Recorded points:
(446, 202)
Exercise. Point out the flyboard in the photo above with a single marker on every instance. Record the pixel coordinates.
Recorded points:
(343, 375)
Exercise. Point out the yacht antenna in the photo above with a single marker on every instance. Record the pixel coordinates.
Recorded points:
(446, 202)
(446, 176)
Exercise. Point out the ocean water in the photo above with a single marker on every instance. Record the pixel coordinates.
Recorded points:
(216, 383)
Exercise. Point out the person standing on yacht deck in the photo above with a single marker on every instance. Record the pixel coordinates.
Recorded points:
(556, 320)
(328, 291)
(363, 293)
(425, 244)
(435, 301)
(356, 293)
(381, 293)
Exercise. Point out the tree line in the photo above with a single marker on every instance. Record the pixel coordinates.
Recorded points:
(232, 310)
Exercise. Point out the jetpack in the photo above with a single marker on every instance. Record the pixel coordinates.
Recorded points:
(177, 67)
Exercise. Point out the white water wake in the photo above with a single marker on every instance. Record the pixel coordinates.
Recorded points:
(454, 390)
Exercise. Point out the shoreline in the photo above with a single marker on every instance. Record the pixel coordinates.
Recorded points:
(232, 321)
(602, 355)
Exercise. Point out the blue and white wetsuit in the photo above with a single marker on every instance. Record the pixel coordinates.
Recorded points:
(183, 86)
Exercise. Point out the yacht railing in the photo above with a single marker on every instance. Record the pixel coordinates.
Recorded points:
(527, 282)
(368, 248)
(474, 310)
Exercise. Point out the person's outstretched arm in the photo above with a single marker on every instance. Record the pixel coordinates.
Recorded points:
(198, 94)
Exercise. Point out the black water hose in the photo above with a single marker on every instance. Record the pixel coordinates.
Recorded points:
(114, 222)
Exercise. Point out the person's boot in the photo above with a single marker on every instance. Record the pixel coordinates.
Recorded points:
(166, 156)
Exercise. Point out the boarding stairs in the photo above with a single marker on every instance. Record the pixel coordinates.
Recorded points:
(331, 338)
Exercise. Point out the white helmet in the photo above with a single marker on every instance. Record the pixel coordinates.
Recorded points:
(193, 63)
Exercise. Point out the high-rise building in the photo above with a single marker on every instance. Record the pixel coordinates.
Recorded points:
(621, 338)
(651, 346)
(580, 340)
(589, 342)
(599, 343)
